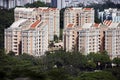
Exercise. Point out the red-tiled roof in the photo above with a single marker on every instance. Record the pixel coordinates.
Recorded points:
(107, 22)
(70, 25)
(35, 24)
(87, 9)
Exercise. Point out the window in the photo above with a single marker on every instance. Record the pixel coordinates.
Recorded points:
(15, 35)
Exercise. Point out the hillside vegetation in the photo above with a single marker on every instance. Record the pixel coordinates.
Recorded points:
(59, 65)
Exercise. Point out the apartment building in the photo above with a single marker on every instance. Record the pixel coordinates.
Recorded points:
(110, 14)
(86, 39)
(112, 40)
(25, 13)
(78, 16)
(52, 15)
(93, 38)
(32, 39)
(82, 34)
(70, 38)
(35, 39)
(13, 36)
(74, 19)
(89, 38)
(32, 29)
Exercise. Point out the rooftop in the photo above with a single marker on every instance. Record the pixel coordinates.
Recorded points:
(24, 9)
(114, 25)
(107, 22)
(16, 24)
(87, 9)
(34, 25)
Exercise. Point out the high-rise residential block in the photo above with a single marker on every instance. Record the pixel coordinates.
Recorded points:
(93, 38)
(89, 38)
(83, 35)
(112, 40)
(13, 36)
(74, 19)
(78, 16)
(32, 30)
(35, 40)
(25, 13)
(52, 15)
(70, 38)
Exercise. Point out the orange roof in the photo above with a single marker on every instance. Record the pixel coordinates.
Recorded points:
(35, 24)
(87, 9)
(107, 22)
(70, 25)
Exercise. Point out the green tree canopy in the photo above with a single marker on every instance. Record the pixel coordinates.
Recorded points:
(36, 4)
(116, 61)
(101, 75)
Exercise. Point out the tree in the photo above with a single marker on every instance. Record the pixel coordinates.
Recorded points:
(6, 19)
(36, 4)
(62, 18)
(116, 61)
(100, 59)
(115, 71)
(11, 53)
(58, 74)
(90, 65)
(101, 75)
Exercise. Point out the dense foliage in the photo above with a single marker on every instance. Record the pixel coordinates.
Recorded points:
(58, 65)
(36, 4)
(6, 19)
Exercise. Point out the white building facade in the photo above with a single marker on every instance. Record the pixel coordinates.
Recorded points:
(89, 40)
(35, 41)
(32, 30)
(112, 40)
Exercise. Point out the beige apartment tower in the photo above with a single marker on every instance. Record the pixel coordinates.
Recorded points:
(78, 16)
(32, 30)
(70, 38)
(112, 40)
